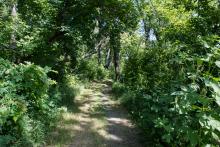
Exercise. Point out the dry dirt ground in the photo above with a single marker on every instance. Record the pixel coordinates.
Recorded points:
(96, 121)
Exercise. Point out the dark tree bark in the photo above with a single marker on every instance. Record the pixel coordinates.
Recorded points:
(146, 31)
(116, 58)
(115, 46)
(98, 39)
(108, 58)
(101, 44)
(99, 55)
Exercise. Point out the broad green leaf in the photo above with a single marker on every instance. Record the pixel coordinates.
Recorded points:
(217, 63)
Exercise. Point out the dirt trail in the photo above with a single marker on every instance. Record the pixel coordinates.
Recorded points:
(97, 121)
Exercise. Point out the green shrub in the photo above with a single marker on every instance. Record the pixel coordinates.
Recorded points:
(91, 71)
(69, 89)
(26, 110)
(174, 101)
(118, 89)
(101, 73)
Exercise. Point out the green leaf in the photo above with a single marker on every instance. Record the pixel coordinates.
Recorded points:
(15, 118)
(167, 138)
(217, 63)
(193, 137)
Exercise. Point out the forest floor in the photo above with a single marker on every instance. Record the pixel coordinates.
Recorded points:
(95, 121)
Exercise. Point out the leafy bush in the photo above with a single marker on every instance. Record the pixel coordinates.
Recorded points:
(101, 73)
(118, 89)
(69, 89)
(91, 71)
(26, 110)
(173, 97)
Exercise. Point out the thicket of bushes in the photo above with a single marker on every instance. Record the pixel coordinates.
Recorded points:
(69, 88)
(88, 69)
(27, 111)
(172, 96)
(169, 57)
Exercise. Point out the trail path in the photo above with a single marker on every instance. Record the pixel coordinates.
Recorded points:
(96, 121)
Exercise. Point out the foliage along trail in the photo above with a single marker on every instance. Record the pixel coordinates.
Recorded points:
(164, 57)
(97, 121)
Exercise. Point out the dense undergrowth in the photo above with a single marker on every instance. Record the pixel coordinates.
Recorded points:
(32, 103)
(164, 56)
(27, 110)
(174, 99)
(89, 70)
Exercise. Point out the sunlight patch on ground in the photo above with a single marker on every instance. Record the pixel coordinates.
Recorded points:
(114, 137)
(122, 121)
(89, 125)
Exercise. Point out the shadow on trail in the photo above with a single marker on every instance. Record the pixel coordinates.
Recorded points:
(95, 121)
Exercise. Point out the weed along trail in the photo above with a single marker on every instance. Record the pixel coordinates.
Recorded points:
(95, 121)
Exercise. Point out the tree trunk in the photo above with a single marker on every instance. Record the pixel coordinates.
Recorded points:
(101, 44)
(146, 31)
(108, 59)
(98, 40)
(13, 43)
(99, 55)
(145, 25)
(13, 34)
(98, 36)
(115, 46)
(116, 63)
